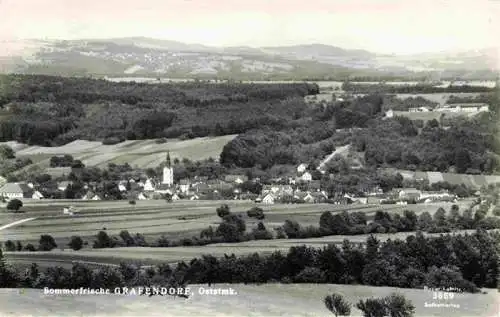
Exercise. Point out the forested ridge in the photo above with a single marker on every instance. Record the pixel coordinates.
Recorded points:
(275, 125)
(47, 110)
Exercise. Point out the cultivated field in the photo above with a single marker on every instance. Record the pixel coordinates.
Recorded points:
(142, 153)
(270, 300)
(174, 220)
(474, 181)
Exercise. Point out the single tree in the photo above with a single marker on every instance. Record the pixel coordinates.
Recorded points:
(10, 246)
(76, 243)
(14, 204)
(337, 305)
(46, 243)
(223, 211)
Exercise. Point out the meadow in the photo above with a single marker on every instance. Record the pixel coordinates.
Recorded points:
(251, 300)
(141, 153)
(181, 219)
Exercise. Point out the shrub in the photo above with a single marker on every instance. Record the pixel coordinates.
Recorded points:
(372, 307)
(29, 247)
(256, 212)
(19, 246)
(223, 211)
(14, 205)
(131, 202)
(10, 246)
(46, 243)
(103, 241)
(76, 243)
(398, 306)
(337, 305)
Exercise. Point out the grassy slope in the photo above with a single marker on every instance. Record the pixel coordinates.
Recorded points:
(251, 300)
(144, 153)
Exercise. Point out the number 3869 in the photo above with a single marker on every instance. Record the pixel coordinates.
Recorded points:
(443, 295)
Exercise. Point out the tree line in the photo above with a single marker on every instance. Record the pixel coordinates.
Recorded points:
(465, 261)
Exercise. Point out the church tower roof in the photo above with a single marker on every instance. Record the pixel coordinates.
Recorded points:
(169, 164)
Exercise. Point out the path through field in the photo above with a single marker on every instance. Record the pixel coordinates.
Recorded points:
(15, 223)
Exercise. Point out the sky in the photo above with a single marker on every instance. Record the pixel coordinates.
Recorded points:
(398, 26)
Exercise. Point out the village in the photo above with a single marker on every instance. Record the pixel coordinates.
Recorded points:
(292, 190)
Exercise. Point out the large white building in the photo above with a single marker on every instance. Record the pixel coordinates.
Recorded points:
(16, 190)
(168, 173)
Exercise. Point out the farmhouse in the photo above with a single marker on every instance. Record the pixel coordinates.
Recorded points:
(184, 185)
(16, 190)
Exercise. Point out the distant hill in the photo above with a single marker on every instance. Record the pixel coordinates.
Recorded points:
(142, 56)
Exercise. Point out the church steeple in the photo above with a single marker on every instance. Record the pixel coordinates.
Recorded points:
(169, 164)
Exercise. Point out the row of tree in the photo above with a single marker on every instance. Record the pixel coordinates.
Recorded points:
(466, 262)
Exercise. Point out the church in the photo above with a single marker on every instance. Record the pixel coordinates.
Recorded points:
(167, 184)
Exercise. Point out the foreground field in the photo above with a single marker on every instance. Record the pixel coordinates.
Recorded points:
(141, 153)
(251, 300)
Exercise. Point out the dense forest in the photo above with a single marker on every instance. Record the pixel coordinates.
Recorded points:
(46, 110)
(275, 126)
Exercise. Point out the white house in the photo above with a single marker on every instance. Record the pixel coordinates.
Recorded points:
(37, 195)
(149, 185)
(268, 199)
(302, 168)
(184, 185)
(306, 177)
(16, 190)
(389, 113)
(122, 187)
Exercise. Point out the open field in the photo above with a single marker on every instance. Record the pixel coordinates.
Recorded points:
(142, 153)
(427, 116)
(151, 256)
(174, 220)
(155, 218)
(475, 181)
(251, 300)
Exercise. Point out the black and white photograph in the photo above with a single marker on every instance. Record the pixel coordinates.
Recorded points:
(263, 158)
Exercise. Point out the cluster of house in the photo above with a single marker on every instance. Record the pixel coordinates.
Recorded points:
(455, 107)
(301, 188)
